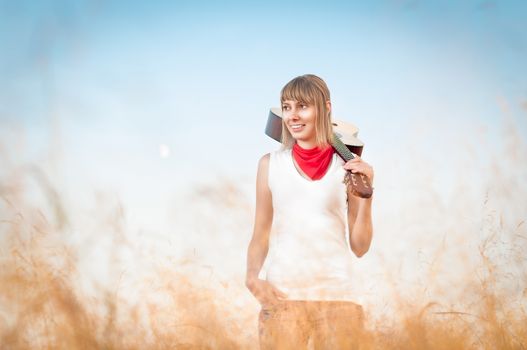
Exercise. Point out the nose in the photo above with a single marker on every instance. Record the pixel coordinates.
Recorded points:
(294, 114)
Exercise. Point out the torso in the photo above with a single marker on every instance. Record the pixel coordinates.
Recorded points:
(310, 258)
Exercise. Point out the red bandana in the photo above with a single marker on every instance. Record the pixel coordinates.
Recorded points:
(315, 161)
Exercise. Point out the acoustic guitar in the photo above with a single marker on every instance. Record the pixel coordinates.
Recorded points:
(345, 143)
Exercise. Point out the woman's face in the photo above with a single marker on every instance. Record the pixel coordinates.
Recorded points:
(299, 117)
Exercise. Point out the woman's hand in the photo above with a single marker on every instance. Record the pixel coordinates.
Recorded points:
(265, 292)
(357, 165)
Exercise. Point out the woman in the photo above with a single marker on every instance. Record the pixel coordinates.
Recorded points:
(306, 296)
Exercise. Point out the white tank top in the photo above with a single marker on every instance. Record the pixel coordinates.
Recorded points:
(309, 256)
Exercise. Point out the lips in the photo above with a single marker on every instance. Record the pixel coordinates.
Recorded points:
(297, 127)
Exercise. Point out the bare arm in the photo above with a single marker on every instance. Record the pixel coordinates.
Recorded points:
(259, 245)
(359, 212)
(264, 291)
(360, 224)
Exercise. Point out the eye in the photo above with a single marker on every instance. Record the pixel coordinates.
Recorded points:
(285, 108)
(304, 106)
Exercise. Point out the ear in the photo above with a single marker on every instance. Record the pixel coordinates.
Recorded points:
(328, 105)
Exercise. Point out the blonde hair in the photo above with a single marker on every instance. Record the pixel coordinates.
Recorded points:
(311, 90)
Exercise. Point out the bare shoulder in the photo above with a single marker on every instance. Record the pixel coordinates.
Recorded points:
(263, 163)
(263, 192)
(263, 166)
(264, 160)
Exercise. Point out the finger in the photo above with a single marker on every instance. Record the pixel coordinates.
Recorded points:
(353, 161)
(352, 167)
(264, 301)
(356, 170)
(272, 301)
(351, 164)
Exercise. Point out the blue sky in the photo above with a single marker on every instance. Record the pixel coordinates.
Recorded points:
(104, 84)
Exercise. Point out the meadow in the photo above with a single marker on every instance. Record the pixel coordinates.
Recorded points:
(84, 280)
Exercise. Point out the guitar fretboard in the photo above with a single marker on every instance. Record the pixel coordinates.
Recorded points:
(341, 148)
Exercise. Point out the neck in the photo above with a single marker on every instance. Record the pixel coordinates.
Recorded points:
(306, 144)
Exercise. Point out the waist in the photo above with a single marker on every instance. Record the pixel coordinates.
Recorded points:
(327, 290)
(310, 253)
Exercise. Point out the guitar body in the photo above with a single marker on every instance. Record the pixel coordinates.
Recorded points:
(346, 132)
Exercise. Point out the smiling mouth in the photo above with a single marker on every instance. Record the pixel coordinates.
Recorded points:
(297, 127)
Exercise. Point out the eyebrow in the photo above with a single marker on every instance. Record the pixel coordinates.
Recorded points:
(294, 102)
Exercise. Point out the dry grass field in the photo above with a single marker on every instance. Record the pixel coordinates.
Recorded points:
(48, 300)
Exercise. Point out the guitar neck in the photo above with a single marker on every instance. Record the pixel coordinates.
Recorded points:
(341, 149)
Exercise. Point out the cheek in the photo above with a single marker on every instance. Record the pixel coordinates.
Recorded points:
(309, 116)
(311, 122)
